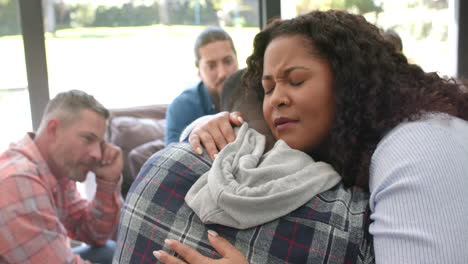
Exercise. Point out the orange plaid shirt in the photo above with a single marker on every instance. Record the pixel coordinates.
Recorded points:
(39, 211)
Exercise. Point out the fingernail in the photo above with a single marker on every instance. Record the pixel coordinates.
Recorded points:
(240, 119)
(199, 151)
(157, 254)
(215, 155)
(212, 233)
(168, 242)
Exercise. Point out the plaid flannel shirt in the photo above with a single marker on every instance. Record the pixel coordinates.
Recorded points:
(38, 211)
(330, 228)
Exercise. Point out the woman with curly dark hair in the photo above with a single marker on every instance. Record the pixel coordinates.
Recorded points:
(333, 87)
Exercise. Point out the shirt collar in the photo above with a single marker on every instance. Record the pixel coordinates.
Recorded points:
(27, 147)
(210, 105)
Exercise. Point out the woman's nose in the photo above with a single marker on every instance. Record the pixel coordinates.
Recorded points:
(279, 97)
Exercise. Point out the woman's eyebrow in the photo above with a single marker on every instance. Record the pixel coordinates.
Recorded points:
(293, 68)
(286, 72)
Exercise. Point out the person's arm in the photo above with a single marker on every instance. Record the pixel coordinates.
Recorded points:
(95, 222)
(419, 196)
(179, 114)
(30, 231)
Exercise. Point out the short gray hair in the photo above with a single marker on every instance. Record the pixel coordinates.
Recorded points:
(209, 35)
(67, 106)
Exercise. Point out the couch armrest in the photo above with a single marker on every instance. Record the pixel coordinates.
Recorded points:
(147, 111)
(131, 127)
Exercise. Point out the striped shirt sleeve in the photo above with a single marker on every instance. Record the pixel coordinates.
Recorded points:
(95, 221)
(30, 231)
(419, 194)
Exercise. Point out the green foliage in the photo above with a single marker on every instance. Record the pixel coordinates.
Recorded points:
(181, 12)
(338, 4)
(437, 4)
(363, 6)
(107, 16)
(126, 16)
(425, 30)
(82, 15)
(9, 18)
(359, 6)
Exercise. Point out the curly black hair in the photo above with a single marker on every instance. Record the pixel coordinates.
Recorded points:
(375, 87)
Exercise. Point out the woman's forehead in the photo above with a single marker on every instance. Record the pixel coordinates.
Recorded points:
(287, 54)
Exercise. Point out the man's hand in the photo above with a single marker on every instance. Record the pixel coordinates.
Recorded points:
(230, 253)
(214, 132)
(110, 167)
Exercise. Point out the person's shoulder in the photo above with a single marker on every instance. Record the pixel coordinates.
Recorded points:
(180, 155)
(188, 96)
(14, 164)
(441, 128)
(175, 165)
(417, 169)
(420, 148)
(188, 105)
(20, 181)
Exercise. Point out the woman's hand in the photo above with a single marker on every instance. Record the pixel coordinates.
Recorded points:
(214, 132)
(229, 253)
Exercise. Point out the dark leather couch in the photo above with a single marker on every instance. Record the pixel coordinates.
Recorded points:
(139, 132)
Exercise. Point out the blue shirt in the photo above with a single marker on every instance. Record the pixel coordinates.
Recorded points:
(188, 106)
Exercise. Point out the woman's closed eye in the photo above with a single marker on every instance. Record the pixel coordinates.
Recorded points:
(268, 86)
(268, 91)
(297, 77)
(296, 83)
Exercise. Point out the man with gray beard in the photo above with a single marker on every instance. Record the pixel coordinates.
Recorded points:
(40, 207)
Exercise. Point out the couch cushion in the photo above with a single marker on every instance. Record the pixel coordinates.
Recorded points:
(138, 156)
(129, 132)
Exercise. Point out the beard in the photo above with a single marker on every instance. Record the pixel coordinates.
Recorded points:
(76, 175)
(67, 167)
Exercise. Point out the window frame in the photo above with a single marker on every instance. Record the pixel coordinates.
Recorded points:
(36, 62)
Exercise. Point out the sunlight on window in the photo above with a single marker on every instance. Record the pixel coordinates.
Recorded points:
(129, 53)
(423, 26)
(15, 113)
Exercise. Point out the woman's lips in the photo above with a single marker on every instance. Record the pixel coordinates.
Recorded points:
(284, 123)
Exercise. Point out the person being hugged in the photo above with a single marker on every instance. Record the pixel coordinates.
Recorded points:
(333, 87)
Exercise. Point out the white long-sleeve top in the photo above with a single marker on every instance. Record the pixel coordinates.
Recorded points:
(419, 193)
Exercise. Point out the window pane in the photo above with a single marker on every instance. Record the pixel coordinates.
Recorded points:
(423, 25)
(130, 53)
(15, 114)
